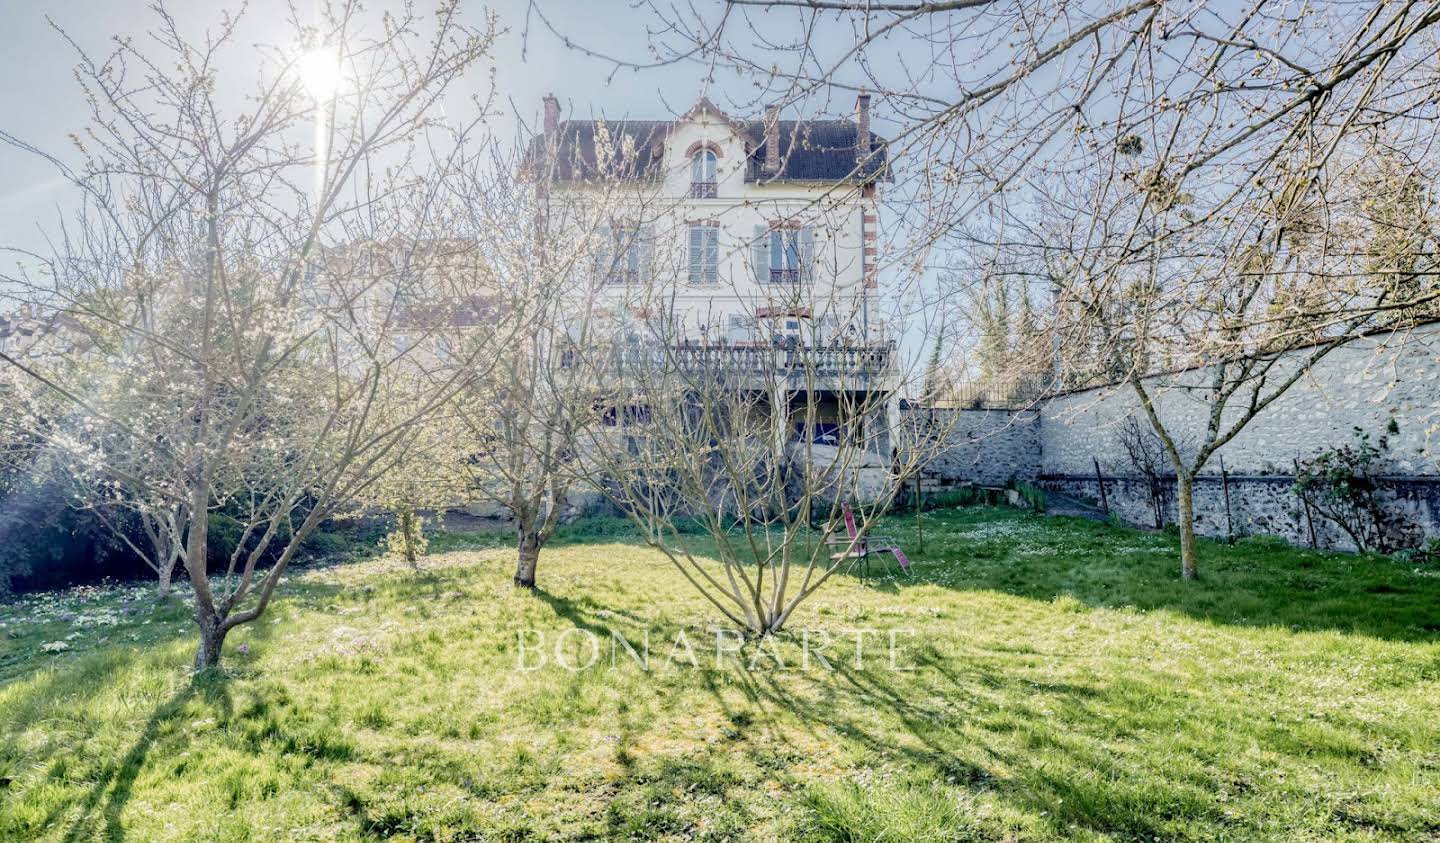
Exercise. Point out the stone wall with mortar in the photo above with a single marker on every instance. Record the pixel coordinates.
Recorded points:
(1366, 384)
(1258, 505)
(984, 447)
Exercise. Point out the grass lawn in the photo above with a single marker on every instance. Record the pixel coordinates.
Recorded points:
(1063, 685)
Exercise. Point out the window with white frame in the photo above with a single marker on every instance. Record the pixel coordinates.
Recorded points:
(740, 327)
(704, 249)
(702, 174)
(785, 255)
(626, 269)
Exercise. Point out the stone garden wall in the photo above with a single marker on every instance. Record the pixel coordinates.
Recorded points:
(983, 447)
(1259, 505)
(1367, 384)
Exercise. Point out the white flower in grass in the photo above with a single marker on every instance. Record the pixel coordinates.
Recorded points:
(55, 647)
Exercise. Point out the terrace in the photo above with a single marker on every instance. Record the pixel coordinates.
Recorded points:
(848, 364)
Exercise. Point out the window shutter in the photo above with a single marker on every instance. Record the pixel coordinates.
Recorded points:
(647, 253)
(712, 254)
(807, 254)
(760, 253)
(697, 262)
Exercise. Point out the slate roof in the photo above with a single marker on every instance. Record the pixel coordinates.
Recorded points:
(810, 150)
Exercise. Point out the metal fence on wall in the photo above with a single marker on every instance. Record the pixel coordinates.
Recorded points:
(1013, 393)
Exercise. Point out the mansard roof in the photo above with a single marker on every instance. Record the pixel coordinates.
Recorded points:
(810, 150)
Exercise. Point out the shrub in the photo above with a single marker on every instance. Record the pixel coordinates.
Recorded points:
(46, 543)
(963, 496)
(1339, 483)
(327, 544)
(1425, 554)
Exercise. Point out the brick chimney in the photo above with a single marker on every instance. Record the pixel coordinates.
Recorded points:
(552, 116)
(772, 139)
(862, 125)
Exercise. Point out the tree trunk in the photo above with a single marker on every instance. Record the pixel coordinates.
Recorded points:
(163, 590)
(167, 572)
(529, 547)
(212, 641)
(1185, 503)
(407, 534)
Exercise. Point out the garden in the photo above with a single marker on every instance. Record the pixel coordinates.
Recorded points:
(1031, 678)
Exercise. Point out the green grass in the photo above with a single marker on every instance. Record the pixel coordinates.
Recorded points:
(1065, 686)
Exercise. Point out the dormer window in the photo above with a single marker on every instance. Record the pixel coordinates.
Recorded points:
(702, 174)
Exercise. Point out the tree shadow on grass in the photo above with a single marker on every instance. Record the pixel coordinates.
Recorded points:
(1255, 582)
(938, 725)
(83, 672)
(101, 810)
(1130, 756)
(579, 612)
(92, 674)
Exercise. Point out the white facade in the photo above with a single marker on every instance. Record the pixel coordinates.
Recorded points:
(758, 252)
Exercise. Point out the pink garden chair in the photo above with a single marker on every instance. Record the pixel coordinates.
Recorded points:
(852, 546)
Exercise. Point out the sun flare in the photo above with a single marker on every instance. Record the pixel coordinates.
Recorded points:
(320, 72)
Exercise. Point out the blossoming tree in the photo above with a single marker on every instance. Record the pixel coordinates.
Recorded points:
(252, 370)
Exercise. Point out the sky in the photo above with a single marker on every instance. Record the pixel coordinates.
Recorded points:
(41, 103)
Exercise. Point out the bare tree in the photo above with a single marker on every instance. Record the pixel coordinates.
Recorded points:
(549, 253)
(1146, 456)
(1210, 270)
(256, 373)
(748, 455)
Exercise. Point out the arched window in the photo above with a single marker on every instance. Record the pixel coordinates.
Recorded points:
(702, 174)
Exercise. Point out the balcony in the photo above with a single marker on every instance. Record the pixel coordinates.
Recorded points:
(847, 365)
(703, 190)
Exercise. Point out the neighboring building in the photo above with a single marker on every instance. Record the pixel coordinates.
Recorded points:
(26, 335)
(417, 299)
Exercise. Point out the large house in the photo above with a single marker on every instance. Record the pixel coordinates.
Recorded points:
(737, 236)
(745, 228)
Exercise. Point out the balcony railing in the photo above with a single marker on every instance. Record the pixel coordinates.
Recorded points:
(841, 360)
(784, 276)
(703, 190)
